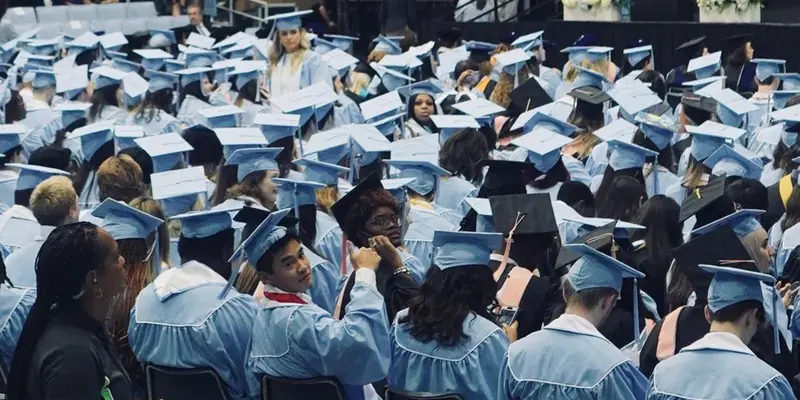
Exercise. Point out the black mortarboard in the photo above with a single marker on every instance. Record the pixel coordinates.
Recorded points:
(747, 77)
(599, 239)
(343, 206)
(364, 68)
(702, 198)
(52, 157)
(691, 49)
(450, 35)
(712, 248)
(673, 99)
(659, 109)
(590, 94)
(252, 217)
(731, 43)
(528, 96)
(513, 175)
(535, 211)
(698, 108)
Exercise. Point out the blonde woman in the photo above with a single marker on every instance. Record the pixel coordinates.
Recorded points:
(292, 65)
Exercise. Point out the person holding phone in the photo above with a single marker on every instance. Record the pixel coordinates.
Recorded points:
(447, 341)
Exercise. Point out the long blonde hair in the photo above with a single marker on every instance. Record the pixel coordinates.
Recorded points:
(501, 95)
(276, 51)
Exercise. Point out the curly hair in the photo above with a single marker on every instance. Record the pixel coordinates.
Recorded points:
(120, 178)
(445, 299)
(365, 206)
(160, 100)
(461, 153)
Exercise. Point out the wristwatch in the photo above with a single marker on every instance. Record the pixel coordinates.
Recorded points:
(403, 270)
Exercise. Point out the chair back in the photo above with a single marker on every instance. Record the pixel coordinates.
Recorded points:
(52, 14)
(392, 394)
(324, 388)
(174, 384)
(21, 15)
(82, 12)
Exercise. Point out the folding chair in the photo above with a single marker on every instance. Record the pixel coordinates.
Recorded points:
(82, 12)
(172, 383)
(112, 11)
(20, 15)
(163, 22)
(52, 14)
(398, 395)
(133, 25)
(141, 10)
(326, 388)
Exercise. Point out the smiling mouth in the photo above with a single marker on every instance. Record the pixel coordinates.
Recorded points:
(305, 278)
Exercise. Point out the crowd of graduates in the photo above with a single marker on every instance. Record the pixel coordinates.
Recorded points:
(444, 218)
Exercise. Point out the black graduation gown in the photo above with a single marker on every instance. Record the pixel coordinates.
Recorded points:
(775, 208)
(397, 290)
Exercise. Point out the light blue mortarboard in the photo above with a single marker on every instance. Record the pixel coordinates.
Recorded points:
(295, 194)
(178, 189)
(464, 249)
(544, 148)
(401, 62)
(42, 47)
(538, 120)
(11, 136)
(426, 87)
(202, 224)
(727, 161)
(122, 221)
(426, 174)
(325, 101)
(343, 42)
(635, 55)
(134, 87)
(86, 41)
(43, 79)
(125, 65)
(106, 76)
(481, 109)
(252, 159)
(233, 139)
(735, 285)
(72, 111)
(92, 137)
(174, 65)
(512, 61)
(322, 172)
(246, 72)
(240, 50)
(397, 187)
(288, 21)
(620, 129)
(633, 98)
(659, 130)
(322, 46)
(388, 126)
(190, 75)
(166, 150)
(277, 126)
(72, 81)
(366, 143)
(732, 107)
(765, 67)
(391, 79)
(709, 136)
(112, 41)
(698, 84)
(300, 102)
(32, 175)
(788, 133)
(576, 54)
(382, 106)
(705, 66)
(530, 40)
(451, 124)
(599, 53)
(226, 116)
(160, 80)
(781, 97)
(485, 221)
(587, 77)
(387, 45)
(153, 58)
(162, 37)
(115, 55)
(340, 61)
(200, 58)
(126, 134)
(743, 222)
(330, 146)
(789, 80)
(627, 155)
(200, 41)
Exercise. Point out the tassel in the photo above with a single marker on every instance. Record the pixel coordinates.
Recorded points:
(300, 139)
(234, 275)
(343, 266)
(776, 297)
(635, 310)
(509, 240)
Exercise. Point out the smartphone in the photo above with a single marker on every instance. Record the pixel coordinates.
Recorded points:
(472, 79)
(507, 315)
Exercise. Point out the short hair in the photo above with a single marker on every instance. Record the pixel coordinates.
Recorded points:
(194, 3)
(120, 178)
(734, 312)
(587, 298)
(748, 193)
(366, 204)
(52, 200)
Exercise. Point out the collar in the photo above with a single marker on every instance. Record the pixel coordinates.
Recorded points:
(37, 104)
(186, 277)
(45, 230)
(274, 289)
(575, 324)
(722, 341)
(20, 212)
(703, 180)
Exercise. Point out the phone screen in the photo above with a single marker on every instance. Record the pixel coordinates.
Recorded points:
(507, 315)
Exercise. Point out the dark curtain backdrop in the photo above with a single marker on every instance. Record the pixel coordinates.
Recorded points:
(769, 40)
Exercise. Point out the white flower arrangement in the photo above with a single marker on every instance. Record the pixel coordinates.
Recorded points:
(740, 5)
(589, 5)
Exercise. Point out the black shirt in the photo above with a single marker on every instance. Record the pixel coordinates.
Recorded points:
(73, 359)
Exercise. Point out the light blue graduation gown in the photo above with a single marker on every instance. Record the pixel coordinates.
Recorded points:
(327, 281)
(718, 366)
(21, 264)
(577, 172)
(179, 322)
(754, 118)
(568, 359)
(417, 268)
(683, 161)
(553, 79)
(304, 341)
(665, 180)
(328, 241)
(419, 236)
(676, 192)
(8, 185)
(111, 113)
(470, 368)
(598, 161)
(313, 70)
(15, 304)
(90, 194)
(770, 175)
(346, 113)
(250, 111)
(161, 123)
(451, 195)
(563, 89)
(187, 113)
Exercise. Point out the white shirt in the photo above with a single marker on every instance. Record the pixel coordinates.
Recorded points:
(202, 30)
(282, 80)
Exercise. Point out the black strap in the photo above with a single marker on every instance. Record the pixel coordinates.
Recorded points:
(502, 280)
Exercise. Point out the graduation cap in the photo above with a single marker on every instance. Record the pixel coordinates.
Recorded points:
(658, 129)
(534, 119)
(733, 43)
(387, 45)
(464, 249)
(600, 239)
(106, 76)
(160, 80)
(709, 136)
(528, 96)
(42, 47)
(174, 65)
(705, 86)
(122, 221)
(512, 61)
(424, 87)
(155, 59)
(425, 173)
(743, 222)
(295, 193)
(300, 102)
(766, 68)
(277, 126)
(620, 129)
(730, 163)
(200, 41)
(599, 53)
(635, 55)
(72, 111)
(589, 101)
(544, 148)
(781, 97)
(633, 98)
(161, 38)
(343, 42)
(329, 146)
(530, 213)
(381, 106)
(484, 222)
(340, 61)
(627, 155)
(200, 58)
(134, 88)
(11, 135)
(126, 134)
(691, 49)
(72, 81)
(391, 79)
(251, 160)
(166, 150)
(92, 137)
(86, 41)
(16, 232)
(702, 198)
(397, 187)
(732, 107)
(317, 171)
(113, 40)
(705, 66)
(125, 65)
(322, 46)
(588, 77)
(202, 224)
(31, 176)
(178, 189)
(341, 208)
(366, 143)
(789, 81)
(479, 51)
(43, 79)
(508, 177)
(530, 40)
(480, 109)
(233, 139)
(225, 116)
(698, 108)
(448, 125)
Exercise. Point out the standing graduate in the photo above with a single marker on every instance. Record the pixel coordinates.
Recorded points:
(580, 361)
(685, 52)
(310, 342)
(739, 71)
(292, 63)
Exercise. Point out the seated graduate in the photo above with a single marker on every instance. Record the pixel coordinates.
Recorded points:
(370, 217)
(96, 145)
(249, 84)
(194, 88)
(686, 52)
(15, 304)
(30, 176)
(447, 341)
(38, 112)
(459, 155)
(580, 362)
(53, 203)
(12, 153)
(246, 175)
(720, 365)
(184, 319)
(420, 104)
(294, 338)
(154, 113)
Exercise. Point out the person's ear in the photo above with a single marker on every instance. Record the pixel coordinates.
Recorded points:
(642, 200)
(74, 214)
(707, 312)
(263, 277)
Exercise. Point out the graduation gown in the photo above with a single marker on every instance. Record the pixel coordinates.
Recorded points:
(469, 368)
(161, 123)
(327, 281)
(300, 340)
(419, 235)
(452, 194)
(657, 182)
(412, 128)
(328, 241)
(397, 290)
(580, 362)
(346, 112)
(718, 366)
(179, 322)
(21, 264)
(15, 304)
(313, 70)
(8, 185)
(187, 113)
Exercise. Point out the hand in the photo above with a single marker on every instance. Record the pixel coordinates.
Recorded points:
(337, 84)
(363, 257)
(463, 76)
(387, 251)
(511, 331)
(264, 92)
(786, 293)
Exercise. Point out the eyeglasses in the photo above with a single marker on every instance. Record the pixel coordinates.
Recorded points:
(384, 221)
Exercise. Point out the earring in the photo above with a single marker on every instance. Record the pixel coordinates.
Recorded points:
(98, 293)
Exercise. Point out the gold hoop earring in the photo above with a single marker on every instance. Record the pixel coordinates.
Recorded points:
(98, 293)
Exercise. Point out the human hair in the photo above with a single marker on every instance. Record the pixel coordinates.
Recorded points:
(153, 207)
(461, 153)
(194, 4)
(326, 197)
(586, 298)
(160, 100)
(81, 177)
(748, 193)
(105, 96)
(250, 186)
(15, 109)
(286, 156)
(558, 173)
(213, 251)
(501, 95)
(120, 178)
(465, 65)
(755, 243)
(276, 51)
(264, 263)
(357, 216)
(206, 148)
(445, 299)
(52, 200)
(194, 89)
(68, 254)
(792, 216)
(142, 159)
(657, 82)
(694, 174)
(411, 115)
(61, 134)
(51, 156)
(624, 203)
(736, 311)
(248, 92)
(10, 155)
(23, 197)
(737, 57)
(578, 196)
(308, 224)
(666, 158)
(604, 190)
(627, 68)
